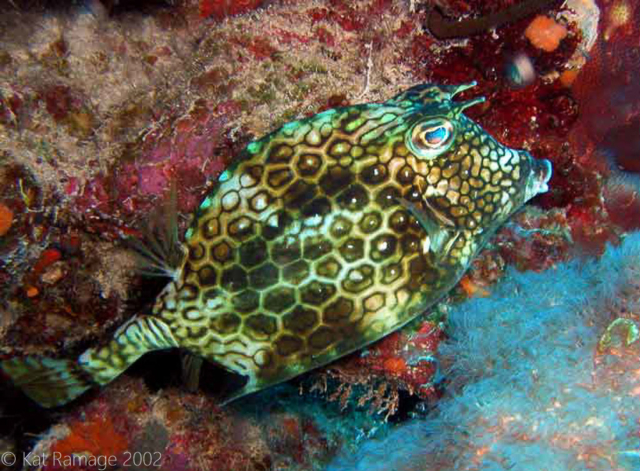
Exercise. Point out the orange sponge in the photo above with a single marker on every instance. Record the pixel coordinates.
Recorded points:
(545, 33)
(6, 219)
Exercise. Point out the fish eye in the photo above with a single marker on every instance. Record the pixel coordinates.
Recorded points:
(430, 138)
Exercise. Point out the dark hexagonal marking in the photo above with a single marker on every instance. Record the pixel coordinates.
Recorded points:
(288, 345)
(300, 320)
(260, 201)
(296, 272)
(196, 331)
(413, 195)
(279, 177)
(339, 147)
(417, 266)
(246, 301)
(251, 176)
(358, 279)
(225, 324)
(417, 274)
(354, 198)
(223, 252)
(241, 228)
(406, 175)
(391, 273)
(286, 251)
(443, 202)
(230, 201)
(410, 244)
(298, 194)
(234, 279)
(370, 222)
(279, 299)
(415, 226)
(399, 221)
(210, 228)
(197, 251)
(375, 302)
(207, 276)
(388, 197)
(309, 164)
(383, 246)
(253, 252)
(320, 206)
(374, 174)
(317, 293)
(210, 294)
(188, 292)
(264, 276)
(316, 246)
(328, 267)
(335, 180)
(340, 227)
(280, 154)
(276, 224)
(338, 311)
(352, 249)
(263, 358)
(322, 337)
(260, 326)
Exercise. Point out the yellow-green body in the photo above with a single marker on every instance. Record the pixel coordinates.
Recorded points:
(330, 233)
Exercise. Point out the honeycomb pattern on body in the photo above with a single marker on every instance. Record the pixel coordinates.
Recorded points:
(313, 246)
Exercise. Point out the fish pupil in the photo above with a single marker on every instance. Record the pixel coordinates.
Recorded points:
(436, 136)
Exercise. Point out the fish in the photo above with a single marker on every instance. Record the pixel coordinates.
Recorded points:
(322, 237)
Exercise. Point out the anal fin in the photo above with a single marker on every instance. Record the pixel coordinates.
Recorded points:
(191, 367)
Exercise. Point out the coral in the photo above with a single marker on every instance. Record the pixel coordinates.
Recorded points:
(442, 28)
(402, 361)
(181, 431)
(102, 108)
(545, 33)
(94, 434)
(220, 9)
(622, 201)
(533, 240)
(524, 390)
(6, 219)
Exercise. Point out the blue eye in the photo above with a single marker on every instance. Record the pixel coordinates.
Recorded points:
(430, 138)
(437, 136)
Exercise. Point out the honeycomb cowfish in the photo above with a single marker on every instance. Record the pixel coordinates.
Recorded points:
(324, 236)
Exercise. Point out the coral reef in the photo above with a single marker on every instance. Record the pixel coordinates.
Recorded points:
(131, 426)
(104, 105)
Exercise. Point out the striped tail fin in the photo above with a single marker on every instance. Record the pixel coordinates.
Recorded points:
(48, 381)
(54, 382)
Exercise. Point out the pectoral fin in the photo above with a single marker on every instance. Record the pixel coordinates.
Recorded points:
(439, 229)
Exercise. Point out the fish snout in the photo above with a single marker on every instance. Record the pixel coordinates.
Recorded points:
(537, 182)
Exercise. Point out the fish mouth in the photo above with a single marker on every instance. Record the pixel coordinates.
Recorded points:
(542, 170)
(538, 181)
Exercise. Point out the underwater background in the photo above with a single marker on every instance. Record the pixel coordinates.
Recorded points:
(529, 363)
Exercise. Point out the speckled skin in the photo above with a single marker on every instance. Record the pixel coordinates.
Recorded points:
(329, 234)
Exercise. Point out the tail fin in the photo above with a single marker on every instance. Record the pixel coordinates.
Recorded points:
(48, 381)
(52, 382)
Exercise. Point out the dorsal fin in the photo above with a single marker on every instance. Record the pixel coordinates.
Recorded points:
(158, 251)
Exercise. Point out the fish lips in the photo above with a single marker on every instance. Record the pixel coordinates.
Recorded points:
(538, 180)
